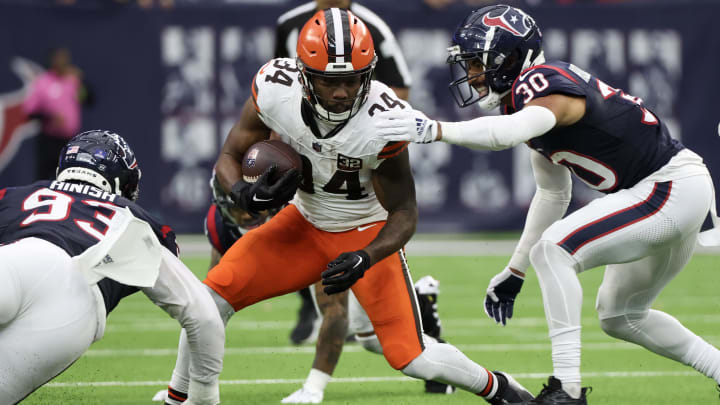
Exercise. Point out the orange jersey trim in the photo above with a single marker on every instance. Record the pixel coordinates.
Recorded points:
(392, 149)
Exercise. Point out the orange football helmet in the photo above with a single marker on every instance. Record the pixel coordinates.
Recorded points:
(335, 43)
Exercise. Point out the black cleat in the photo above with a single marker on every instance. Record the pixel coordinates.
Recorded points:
(427, 289)
(553, 394)
(509, 391)
(435, 387)
(306, 323)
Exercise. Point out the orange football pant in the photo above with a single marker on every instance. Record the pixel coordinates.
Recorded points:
(288, 253)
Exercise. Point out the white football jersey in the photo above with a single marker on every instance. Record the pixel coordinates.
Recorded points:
(339, 195)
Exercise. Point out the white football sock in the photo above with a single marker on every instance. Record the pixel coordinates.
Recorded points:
(316, 380)
(180, 380)
(562, 299)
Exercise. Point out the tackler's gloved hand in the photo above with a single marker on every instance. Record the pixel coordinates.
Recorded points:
(501, 293)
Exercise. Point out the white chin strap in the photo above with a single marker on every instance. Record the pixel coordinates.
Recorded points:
(493, 99)
(331, 117)
(87, 176)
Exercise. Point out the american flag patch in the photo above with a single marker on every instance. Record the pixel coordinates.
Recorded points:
(72, 149)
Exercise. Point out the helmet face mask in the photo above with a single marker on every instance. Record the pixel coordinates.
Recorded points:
(319, 86)
(102, 159)
(505, 41)
(335, 51)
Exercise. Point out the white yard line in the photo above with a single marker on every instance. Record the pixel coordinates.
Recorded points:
(194, 245)
(229, 351)
(164, 323)
(603, 374)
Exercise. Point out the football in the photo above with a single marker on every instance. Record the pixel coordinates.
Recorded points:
(261, 156)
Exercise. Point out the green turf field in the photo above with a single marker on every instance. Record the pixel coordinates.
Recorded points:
(137, 354)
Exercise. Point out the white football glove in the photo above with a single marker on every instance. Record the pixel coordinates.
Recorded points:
(303, 396)
(406, 125)
(501, 293)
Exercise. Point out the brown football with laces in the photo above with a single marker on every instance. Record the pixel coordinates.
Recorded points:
(262, 155)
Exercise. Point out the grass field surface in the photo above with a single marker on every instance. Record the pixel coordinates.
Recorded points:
(137, 354)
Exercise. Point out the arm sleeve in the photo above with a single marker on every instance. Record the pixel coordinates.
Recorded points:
(549, 204)
(179, 293)
(499, 132)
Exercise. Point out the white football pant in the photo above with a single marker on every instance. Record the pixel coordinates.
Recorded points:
(48, 316)
(645, 235)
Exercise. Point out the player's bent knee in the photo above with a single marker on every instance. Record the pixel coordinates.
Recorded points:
(623, 326)
(429, 364)
(224, 308)
(420, 368)
(545, 255)
(537, 255)
(399, 355)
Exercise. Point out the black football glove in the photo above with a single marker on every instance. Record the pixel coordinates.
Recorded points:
(344, 271)
(263, 195)
(501, 293)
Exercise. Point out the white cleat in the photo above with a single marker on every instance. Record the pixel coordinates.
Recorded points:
(427, 286)
(160, 396)
(303, 396)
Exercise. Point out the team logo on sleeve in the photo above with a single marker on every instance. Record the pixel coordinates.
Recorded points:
(511, 19)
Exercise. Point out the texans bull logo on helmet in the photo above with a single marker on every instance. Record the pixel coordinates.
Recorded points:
(510, 19)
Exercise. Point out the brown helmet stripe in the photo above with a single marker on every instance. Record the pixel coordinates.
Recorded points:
(346, 35)
(337, 23)
(330, 27)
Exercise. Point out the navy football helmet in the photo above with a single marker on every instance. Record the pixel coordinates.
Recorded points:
(505, 40)
(103, 159)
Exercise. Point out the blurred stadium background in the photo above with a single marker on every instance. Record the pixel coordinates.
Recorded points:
(172, 75)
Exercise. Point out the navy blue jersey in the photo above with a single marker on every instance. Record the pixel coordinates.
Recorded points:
(617, 143)
(223, 232)
(219, 232)
(73, 217)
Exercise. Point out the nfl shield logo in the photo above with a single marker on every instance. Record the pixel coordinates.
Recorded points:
(317, 147)
(251, 158)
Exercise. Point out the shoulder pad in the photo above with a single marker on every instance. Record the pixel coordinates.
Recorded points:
(272, 82)
(543, 80)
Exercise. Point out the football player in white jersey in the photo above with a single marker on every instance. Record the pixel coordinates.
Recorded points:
(354, 209)
(658, 193)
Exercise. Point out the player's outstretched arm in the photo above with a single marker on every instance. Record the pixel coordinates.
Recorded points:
(484, 133)
(179, 293)
(552, 197)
